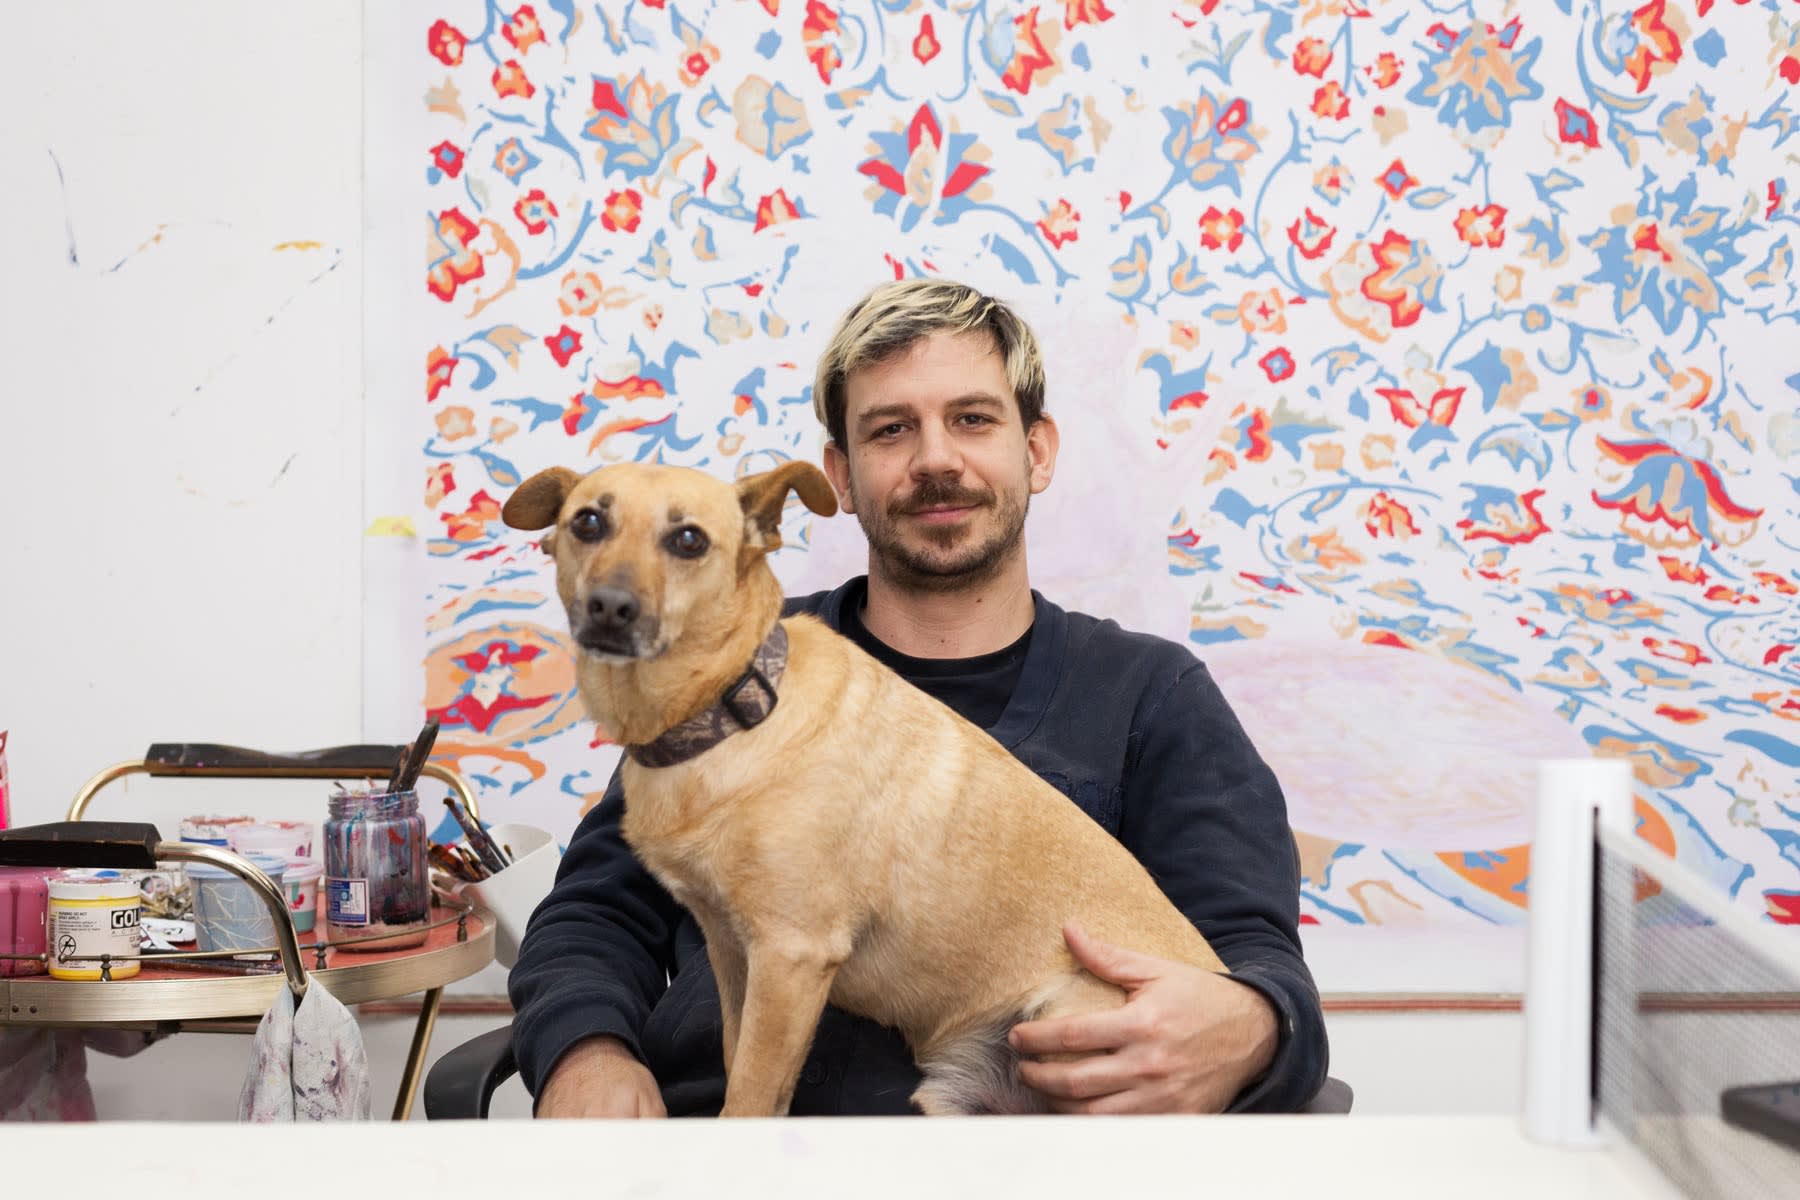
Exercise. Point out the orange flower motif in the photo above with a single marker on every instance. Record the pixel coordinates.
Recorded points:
(818, 35)
(471, 525)
(1391, 284)
(1718, 593)
(1263, 312)
(439, 365)
(1385, 70)
(1410, 412)
(696, 60)
(1680, 571)
(455, 261)
(1030, 56)
(510, 80)
(1221, 230)
(622, 211)
(1059, 224)
(925, 45)
(1329, 102)
(455, 422)
(522, 30)
(580, 295)
(1311, 235)
(534, 210)
(1311, 57)
(1396, 180)
(1676, 651)
(440, 481)
(775, 209)
(1387, 517)
(1659, 46)
(1084, 12)
(1482, 226)
(1779, 583)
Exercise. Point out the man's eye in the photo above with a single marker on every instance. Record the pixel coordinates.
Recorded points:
(687, 542)
(888, 431)
(976, 419)
(587, 526)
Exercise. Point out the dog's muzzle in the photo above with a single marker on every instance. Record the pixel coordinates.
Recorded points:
(612, 622)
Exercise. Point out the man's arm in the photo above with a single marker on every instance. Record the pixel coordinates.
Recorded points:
(594, 958)
(1204, 814)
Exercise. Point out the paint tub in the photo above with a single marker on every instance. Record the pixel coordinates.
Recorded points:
(24, 913)
(211, 831)
(229, 914)
(284, 839)
(301, 882)
(93, 913)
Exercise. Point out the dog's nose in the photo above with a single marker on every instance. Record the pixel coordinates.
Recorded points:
(612, 608)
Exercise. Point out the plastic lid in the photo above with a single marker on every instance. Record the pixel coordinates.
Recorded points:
(269, 864)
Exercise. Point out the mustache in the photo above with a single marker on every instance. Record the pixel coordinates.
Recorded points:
(938, 494)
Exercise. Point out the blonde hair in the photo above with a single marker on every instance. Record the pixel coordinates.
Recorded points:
(896, 315)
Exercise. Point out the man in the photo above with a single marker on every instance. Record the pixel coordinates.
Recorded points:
(932, 397)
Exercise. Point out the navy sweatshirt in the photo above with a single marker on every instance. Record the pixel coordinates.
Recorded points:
(1130, 727)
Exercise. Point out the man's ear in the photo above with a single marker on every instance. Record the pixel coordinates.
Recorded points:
(763, 496)
(537, 501)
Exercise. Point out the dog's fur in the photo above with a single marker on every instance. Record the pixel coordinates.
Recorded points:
(864, 845)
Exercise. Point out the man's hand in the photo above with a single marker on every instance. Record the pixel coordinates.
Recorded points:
(1187, 1040)
(600, 1078)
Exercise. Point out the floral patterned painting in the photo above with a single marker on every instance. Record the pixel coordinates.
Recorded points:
(1431, 370)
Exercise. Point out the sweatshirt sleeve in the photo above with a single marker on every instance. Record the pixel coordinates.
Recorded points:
(596, 953)
(1204, 814)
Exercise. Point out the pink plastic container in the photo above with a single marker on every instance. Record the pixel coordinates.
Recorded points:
(24, 905)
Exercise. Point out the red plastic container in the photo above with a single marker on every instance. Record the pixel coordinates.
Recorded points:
(24, 908)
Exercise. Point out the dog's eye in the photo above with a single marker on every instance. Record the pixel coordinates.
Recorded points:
(587, 526)
(687, 542)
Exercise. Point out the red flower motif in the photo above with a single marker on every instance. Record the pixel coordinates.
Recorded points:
(1330, 101)
(1221, 230)
(1029, 55)
(448, 158)
(818, 36)
(1508, 523)
(1482, 226)
(440, 364)
(510, 80)
(446, 43)
(1387, 517)
(534, 210)
(563, 344)
(1441, 410)
(623, 208)
(1396, 180)
(1658, 48)
(458, 262)
(1058, 225)
(1084, 12)
(775, 209)
(1311, 235)
(925, 46)
(1277, 364)
(1311, 57)
(1575, 124)
(1385, 71)
(522, 30)
(1388, 285)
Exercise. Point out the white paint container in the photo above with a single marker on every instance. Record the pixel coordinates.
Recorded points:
(93, 913)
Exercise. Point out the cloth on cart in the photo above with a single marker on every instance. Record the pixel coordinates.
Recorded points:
(309, 1063)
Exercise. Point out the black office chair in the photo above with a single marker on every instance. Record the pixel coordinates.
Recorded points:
(462, 1082)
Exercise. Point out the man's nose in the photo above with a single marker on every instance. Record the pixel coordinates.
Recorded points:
(612, 608)
(937, 453)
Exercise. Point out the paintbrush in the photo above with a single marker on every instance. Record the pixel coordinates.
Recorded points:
(478, 840)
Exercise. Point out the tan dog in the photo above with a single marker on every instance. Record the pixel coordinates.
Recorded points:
(863, 844)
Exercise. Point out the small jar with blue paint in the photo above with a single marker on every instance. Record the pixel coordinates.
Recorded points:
(376, 875)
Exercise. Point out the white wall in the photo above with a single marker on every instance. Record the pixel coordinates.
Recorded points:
(182, 461)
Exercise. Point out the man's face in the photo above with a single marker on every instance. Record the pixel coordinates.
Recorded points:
(939, 468)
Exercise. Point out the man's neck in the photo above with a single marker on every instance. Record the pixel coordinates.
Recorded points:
(986, 617)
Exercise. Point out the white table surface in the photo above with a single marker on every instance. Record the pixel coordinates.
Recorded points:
(1321, 1158)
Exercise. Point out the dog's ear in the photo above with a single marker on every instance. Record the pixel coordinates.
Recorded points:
(537, 501)
(763, 496)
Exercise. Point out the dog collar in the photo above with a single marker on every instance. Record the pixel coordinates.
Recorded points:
(745, 705)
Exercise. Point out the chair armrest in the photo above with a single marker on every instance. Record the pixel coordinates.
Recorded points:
(461, 1083)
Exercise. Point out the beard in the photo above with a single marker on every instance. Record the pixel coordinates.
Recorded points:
(944, 558)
